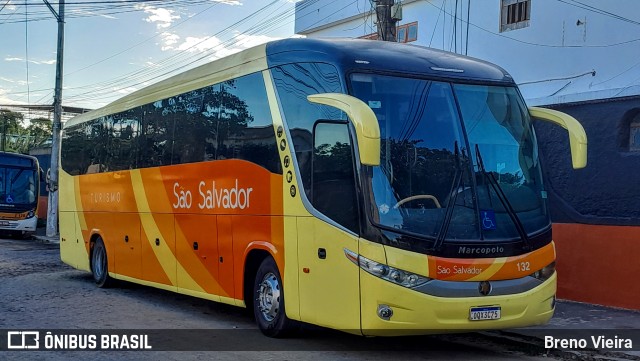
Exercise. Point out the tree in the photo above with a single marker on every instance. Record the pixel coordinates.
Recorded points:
(39, 130)
(11, 126)
(15, 137)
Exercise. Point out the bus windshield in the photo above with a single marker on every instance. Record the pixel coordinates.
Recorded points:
(17, 186)
(458, 161)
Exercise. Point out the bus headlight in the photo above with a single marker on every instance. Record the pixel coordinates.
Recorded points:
(387, 273)
(545, 272)
(31, 213)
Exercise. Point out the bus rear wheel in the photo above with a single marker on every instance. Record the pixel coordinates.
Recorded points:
(268, 303)
(99, 264)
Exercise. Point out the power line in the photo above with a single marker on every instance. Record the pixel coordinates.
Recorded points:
(135, 74)
(178, 62)
(109, 2)
(436, 25)
(142, 76)
(10, 15)
(594, 9)
(592, 73)
(615, 76)
(5, 4)
(26, 52)
(455, 28)
(466, 46)
(365, 14)
(82, 10)
(537, 44)
(146, 72)
(144, 41)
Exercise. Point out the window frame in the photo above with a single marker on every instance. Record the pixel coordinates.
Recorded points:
(516, 21)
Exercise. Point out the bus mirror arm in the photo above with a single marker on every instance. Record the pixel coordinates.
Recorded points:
(577, 135)
(363, 119)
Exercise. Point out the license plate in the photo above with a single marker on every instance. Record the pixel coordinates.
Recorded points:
(484, 313)
(4, 223)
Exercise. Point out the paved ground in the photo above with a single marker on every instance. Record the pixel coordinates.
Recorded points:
(37, 291)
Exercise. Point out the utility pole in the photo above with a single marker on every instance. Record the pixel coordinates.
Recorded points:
(52, 212)
(386, 20)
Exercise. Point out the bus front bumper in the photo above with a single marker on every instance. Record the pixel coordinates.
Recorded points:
(418, 313)
(23, 225)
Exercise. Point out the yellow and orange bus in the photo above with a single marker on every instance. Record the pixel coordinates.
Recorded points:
(19, 188)
(371, 187)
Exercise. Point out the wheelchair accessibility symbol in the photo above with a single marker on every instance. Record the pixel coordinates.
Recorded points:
(488, 219)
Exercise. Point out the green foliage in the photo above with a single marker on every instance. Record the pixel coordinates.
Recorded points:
(40, 129)
(16, 136)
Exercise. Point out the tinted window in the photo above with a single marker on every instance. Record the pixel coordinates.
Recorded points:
(221, 121)
(189, 133)
(293, 83)
(122, 150)
(246, 119)
(156, 138)
(97, 132)
(333, 191)
(421, 156)
(73, 150)
(230, 120)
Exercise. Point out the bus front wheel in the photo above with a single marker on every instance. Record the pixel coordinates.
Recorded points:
(268, 302)
(99, 263)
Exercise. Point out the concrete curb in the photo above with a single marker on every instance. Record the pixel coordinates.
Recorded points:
(45, 239)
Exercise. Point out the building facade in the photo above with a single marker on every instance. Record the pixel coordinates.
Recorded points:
(581, 57)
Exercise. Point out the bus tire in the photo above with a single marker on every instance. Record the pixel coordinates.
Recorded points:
(99, 264)
(268, 301)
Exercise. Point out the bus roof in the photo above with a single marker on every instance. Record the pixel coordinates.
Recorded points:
(354, 54)
(17, 159)
(346, 54)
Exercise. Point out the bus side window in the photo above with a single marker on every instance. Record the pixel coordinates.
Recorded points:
(294, 82)
(250, 133)
(97, 137)
(75, 151)
(333, 178)
(156, 137)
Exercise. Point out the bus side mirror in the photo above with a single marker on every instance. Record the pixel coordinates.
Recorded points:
(577, 135)
(363, 119)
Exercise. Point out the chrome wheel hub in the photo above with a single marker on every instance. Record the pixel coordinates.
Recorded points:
(269, 297)
(98, 263)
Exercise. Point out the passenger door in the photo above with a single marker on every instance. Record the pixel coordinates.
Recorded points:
(329, 282)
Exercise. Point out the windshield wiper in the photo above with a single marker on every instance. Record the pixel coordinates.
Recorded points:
(453, 195)
(503, 199)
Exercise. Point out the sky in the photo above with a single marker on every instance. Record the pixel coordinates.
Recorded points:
(114, 47)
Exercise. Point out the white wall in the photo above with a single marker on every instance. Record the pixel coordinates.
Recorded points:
(553, 46)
